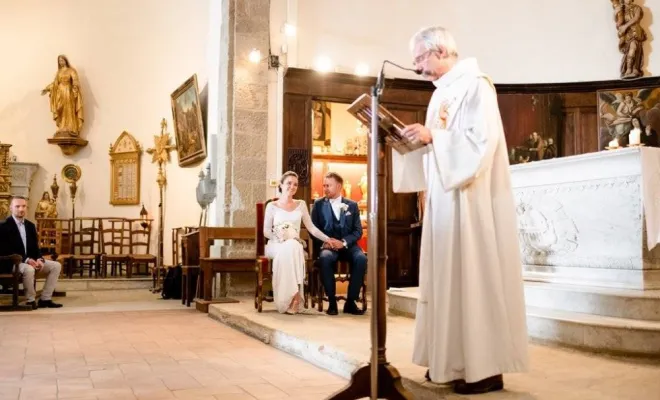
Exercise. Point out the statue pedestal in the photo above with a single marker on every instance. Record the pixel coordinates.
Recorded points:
(68, 145)
(21, 178)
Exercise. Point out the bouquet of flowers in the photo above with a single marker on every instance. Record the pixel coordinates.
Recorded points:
(284, 231)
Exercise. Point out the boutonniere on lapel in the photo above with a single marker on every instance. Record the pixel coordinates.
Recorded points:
(344, 207)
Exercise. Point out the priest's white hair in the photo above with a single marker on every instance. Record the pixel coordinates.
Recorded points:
(435, 38)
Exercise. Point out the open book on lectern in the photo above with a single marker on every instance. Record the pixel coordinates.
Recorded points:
(390, 127)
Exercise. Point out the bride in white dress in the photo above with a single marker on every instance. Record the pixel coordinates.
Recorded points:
(282, 228)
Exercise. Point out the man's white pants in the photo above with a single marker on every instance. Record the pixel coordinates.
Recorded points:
(51, 268)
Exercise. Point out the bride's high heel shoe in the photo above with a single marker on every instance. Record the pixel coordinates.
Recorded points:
(295, 305)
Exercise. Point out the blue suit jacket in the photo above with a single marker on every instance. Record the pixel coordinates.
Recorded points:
(349, 221)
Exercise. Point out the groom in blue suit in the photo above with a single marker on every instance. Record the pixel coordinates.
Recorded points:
(339, 218)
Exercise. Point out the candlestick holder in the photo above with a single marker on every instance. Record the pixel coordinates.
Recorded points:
(55, 188)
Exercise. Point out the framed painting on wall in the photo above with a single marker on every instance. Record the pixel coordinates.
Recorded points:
(622, 110)
(125, 170)
(188, 123)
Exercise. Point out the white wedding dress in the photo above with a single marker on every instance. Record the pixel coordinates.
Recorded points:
(288, 255)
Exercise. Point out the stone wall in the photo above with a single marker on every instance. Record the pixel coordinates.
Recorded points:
(247, 124)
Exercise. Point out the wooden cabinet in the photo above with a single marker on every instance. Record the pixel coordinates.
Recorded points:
(311, 154)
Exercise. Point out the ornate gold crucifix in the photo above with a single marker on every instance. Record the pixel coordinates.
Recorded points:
(161, 155)
(161, 152)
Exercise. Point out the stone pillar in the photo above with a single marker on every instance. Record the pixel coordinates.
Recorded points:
(241, 144)
(249, 124)
(21, 178)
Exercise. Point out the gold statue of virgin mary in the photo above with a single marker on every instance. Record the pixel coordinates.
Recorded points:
(66, 101)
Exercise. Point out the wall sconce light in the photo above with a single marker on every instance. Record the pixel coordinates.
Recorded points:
(289, 30)
(323, 64)
(362, 69)
(273, 60)
(143, 217)
(255, 56)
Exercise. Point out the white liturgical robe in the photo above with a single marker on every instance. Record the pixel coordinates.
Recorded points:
(470, 320)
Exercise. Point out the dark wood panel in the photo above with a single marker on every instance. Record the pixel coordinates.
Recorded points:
(589, 130)
(297, 140)
(571, 134)
(403, 243)
(415, 85)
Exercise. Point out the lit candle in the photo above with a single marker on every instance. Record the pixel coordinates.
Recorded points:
(614, 144)
(633, 137)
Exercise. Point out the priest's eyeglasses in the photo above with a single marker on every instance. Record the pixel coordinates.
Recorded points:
(422, 57)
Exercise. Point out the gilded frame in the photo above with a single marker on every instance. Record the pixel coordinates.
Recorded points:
(125, 157)
(190, 140)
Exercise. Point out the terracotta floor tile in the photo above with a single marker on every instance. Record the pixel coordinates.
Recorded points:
(159, 354)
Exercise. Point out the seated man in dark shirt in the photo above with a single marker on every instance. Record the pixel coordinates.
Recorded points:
(19, 236)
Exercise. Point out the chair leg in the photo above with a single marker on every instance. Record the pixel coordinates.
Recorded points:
(312, 288)
(184, 288)
(256, 288)
(260, 290)
(319, 291)
(364, 297)
(14, 296)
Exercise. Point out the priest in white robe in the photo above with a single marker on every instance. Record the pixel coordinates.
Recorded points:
(470, 326)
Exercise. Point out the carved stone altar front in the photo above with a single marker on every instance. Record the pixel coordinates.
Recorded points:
(581, 220)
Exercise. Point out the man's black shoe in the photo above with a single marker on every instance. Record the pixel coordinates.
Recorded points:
(48, 304)
(351, 308)
(32, 304)
(332, 308)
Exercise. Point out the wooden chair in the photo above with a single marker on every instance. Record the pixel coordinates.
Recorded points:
(343, 275)
(190, 268)
(56, 240)
(196, 257)
(177, 234)
(10, 276)
(87, 246)
(264, 265)
(116, 233)
(140, 246)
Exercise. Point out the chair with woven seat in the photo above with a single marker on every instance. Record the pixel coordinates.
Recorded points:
(87, 246)
(140, 247)
(116, 233)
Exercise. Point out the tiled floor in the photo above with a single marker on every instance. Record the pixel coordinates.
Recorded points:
(155, 354)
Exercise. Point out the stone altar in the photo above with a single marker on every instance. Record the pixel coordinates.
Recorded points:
(584, 219)
(21, 178)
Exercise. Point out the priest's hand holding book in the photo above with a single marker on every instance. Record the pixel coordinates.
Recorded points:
(417, 133)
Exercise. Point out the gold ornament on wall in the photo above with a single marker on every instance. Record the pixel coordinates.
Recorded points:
(66, 107)
(125, 170)
(71, 174)
(5, 180)
(160, 155)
